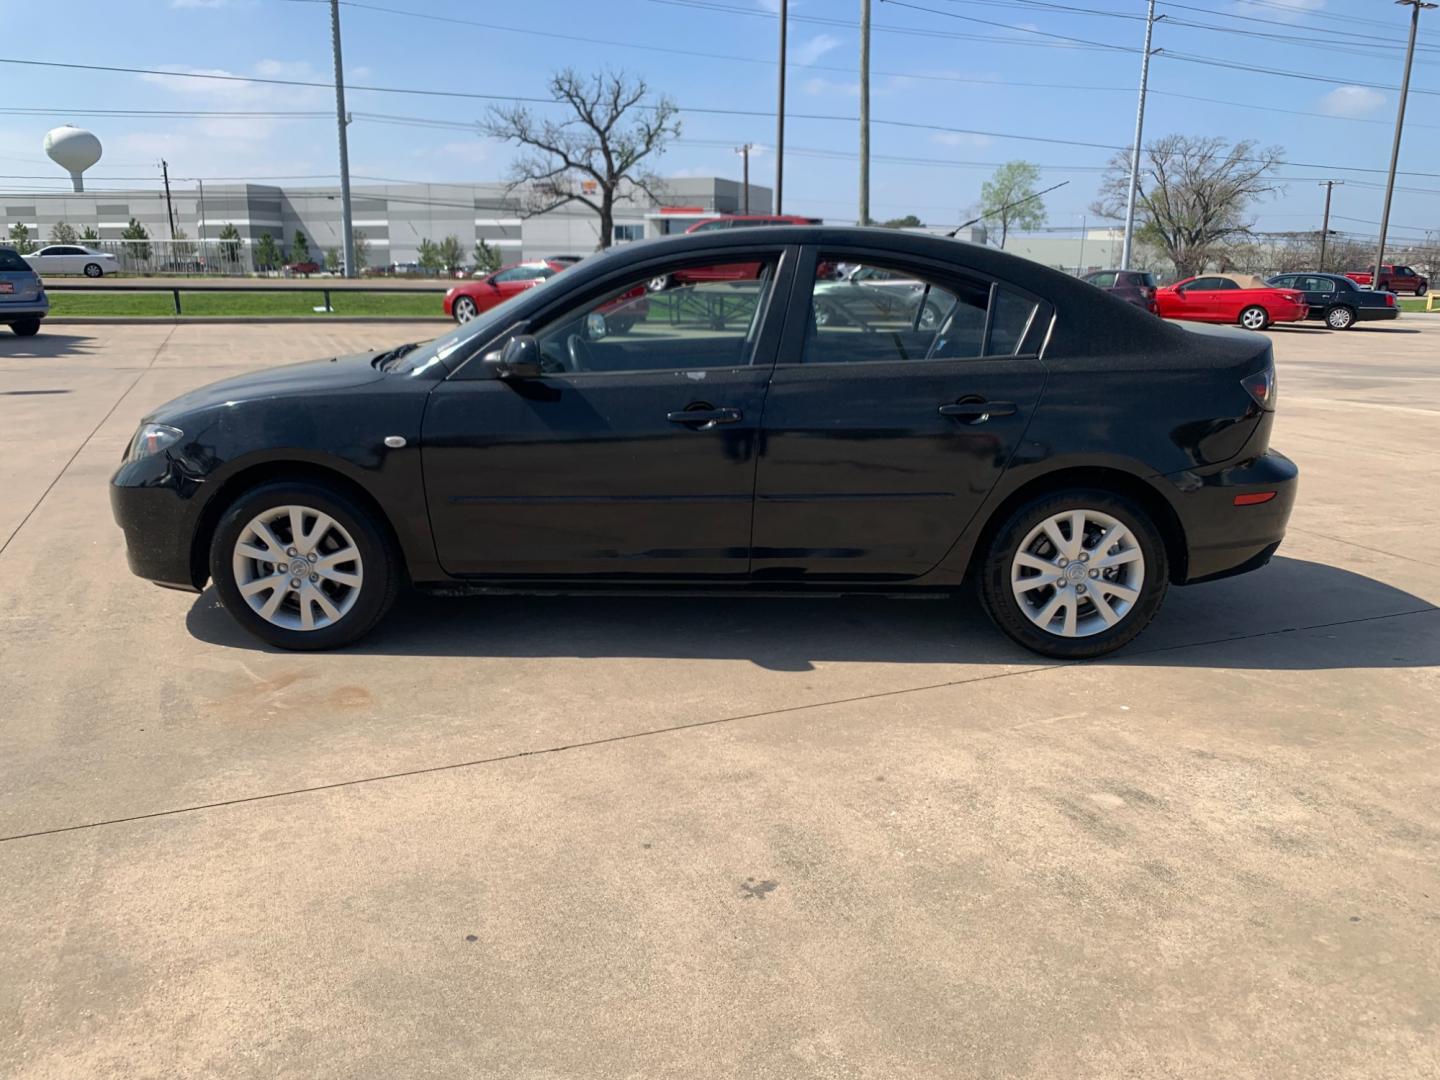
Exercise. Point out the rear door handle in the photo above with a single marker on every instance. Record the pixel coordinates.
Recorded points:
(705, 416)
(977, 412)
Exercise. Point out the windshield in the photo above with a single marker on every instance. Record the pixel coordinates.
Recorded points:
(452, 348)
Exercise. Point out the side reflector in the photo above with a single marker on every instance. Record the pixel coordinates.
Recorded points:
(1255, 498)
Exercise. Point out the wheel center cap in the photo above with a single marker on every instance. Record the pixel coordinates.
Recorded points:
(1075, 572)
(300, 568)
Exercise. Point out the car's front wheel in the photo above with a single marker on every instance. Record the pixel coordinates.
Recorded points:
(1340, 318)
(1254, 317)
(302, 567)
(1075, 575)
(94, 270)
(464, 309)
(1421, 289)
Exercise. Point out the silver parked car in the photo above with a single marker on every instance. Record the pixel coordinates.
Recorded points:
(23, 302)
(72, 259)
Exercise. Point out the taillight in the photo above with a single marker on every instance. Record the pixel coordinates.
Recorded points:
(1389, 299)
(1261, 386)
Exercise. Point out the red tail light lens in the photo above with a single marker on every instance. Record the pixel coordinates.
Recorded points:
(1262, 387)
(1389, 299)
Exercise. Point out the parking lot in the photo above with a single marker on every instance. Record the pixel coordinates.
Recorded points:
(545, 838)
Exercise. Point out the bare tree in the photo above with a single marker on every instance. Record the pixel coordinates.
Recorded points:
(594, 156)
(1193, 194)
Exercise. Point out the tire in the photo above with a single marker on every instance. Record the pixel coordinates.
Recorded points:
(929, 317)
(358, 590)
(94, 270)
(1021, 550)
(1421, 289)
(26, 327)
(1340, 317)
(464, 309)
(1254, 317)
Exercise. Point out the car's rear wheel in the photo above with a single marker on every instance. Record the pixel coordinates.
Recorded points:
(303, 567)
(1340, 317)
(94, 270)
(1075, 575)
(464, 309)
(1254, 317)
(26, 327)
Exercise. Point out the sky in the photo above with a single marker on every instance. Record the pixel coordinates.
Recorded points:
(958, 87)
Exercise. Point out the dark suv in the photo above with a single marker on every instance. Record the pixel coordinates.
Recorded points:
(1133, 286)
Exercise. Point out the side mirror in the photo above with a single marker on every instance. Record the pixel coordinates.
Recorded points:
(519, 359)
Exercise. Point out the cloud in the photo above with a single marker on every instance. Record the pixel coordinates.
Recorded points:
(236, 90)
(1351, 101)
(808, 52)
(961, 138)
(1289, 10)
(818, 87)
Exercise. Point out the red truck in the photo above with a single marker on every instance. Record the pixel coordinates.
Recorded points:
(1396, 279)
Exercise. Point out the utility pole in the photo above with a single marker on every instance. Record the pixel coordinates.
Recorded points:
(169, 206)
(1129, 239)
(744, 152)
(347, 231)
(1414, 6)
(864, 112)
(780, 115)
(202, 218)
(1329, 186)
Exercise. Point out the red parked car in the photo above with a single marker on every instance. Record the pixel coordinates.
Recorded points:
(1394, 279)
(1231, 298)
(464, 302)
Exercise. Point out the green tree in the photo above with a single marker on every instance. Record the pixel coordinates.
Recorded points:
(909, 221)
(451, 253)
(230, 243)
(137, 240)
(299, 248)
(429, 256)
(20, 237)
(62, 232)
(361, 243)
(332, 260)
(267, 253)
(89, 235)
(1006, 199)
(487, 259)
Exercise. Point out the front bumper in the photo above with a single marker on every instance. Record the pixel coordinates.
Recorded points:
(157, 507)
(1223, 539)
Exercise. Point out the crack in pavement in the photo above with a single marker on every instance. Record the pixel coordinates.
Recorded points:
(692, 725)
(80, 449)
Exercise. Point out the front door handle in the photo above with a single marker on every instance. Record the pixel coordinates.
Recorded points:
(977, 412)
(705, 416)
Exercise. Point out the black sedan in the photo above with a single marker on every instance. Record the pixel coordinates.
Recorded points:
(1066, 452)
(1337, 301)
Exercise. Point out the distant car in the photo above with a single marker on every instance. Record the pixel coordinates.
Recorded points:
(465, 301)
(1338, 301)
(23, 302)
(1133, 286)
(568, 260)
(865, 294)
(1230, 298)
(72, 259)
(1392, 279)
(306, 268)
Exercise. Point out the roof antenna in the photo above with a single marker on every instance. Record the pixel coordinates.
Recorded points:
(1008, 206)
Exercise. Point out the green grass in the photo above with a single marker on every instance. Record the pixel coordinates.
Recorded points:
(259, 303)
(1413, 303)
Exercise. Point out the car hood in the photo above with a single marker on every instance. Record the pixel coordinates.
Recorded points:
(337, 373)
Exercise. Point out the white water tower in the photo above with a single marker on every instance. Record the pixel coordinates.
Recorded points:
(74, 150)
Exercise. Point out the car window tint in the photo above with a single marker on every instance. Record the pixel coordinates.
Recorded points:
(1287, 281)
(685, 317)
(1009, 320)
(897, 315)
(1103, 281)
(1204, 284)
(11, 260)
(1317, 285)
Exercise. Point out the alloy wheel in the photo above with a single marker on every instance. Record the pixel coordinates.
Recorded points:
(464, 309)
(297, 568)
(1253, 318)
(1339, 318)
(1078, 573)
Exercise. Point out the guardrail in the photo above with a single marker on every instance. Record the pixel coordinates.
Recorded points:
(258, 290)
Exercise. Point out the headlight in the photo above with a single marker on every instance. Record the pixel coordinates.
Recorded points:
(151, 439)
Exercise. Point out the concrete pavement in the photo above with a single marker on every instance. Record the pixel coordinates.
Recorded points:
(595, 838)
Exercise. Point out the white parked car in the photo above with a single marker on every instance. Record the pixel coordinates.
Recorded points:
(72, 259)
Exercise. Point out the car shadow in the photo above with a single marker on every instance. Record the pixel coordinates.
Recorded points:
(1362, 329)
(1263, 611)
(46, 345)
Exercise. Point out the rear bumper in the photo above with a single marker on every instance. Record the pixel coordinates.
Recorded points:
(1373, 314)
(15, 312)
(1223, 539)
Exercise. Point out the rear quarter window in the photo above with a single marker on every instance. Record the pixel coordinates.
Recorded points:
(11, 260)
